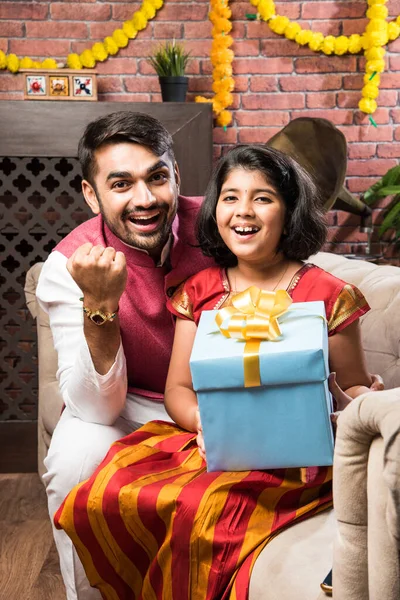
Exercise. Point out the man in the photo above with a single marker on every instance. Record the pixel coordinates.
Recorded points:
(104, 287)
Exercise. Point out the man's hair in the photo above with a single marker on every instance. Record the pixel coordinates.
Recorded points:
(119, 127)
(305, 227)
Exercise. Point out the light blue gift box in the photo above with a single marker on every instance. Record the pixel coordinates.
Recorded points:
(283, 423)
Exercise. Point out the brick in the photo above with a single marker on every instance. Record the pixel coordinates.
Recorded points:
(358, 185)
(238, 30)
(116, 66)
(390, 81)
(362, 150)
(368, 133)
(321, 100)
(302, 83)
(39, 48)
(338, 117)
(397, 134)
(193, 30)
(4, 45)
(257, 135)
(230, 136)
(9, 29)
(354, 26)
(217, 152)
(395, 46)
(263, 83)
(139, 48)
(247, 48)
(326, 27)
(283, 47)
(395, 115)
(142, 84)
(381, 116)
(351, 99)
(188, 12)
(353, 82)
(262, 118)
(291, 9)
(68, 11)
(11, 95)
(326, 64)
(25, 11)
(98, 31)
(333, 10)
(394, 63)
(169, 31)
(109, 84)
(345, 219)
(56, 30)
(260, 65)
(273, 101)
(11, 83)
(259, 30)
(369, 168)
(241, 83)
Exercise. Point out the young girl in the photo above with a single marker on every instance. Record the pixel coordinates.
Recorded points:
(151, 523)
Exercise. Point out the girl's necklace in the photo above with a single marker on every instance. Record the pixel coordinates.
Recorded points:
(235, 291)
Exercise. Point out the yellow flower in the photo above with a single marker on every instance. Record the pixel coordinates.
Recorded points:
(393, 31)
(110, 45)
(254, 2)
(328, 47)
(370, 90)
(139, 21)
(304, 37)
(367, 105)
(292, 30)
(156, 3)
(355, 43)
(222, 11)
(316, 41)
(378, 11)
(373, 66)
(3, 60)
(148, 10)
(266, 8)
(49, 63)
(99, 52)
(341, 45)
(120, 38)
(224, 98)
(26, 63)
(222, 25)
(398, 20)
(221, 56)
(279, 24)
(373, 2)
(87, 59)
(74, 62)
(203, 100)
(375, 53)
(224, 118)
(13, 63)
(223, 85)
(222, 41)
(376, 79)
(376, 25)
(222, 70)
(129, 30)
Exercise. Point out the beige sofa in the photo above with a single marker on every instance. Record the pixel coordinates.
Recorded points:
(365, 525)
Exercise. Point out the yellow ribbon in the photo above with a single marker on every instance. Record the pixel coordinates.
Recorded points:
(253, 317)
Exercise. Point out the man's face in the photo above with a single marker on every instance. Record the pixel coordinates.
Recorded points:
(136, 193)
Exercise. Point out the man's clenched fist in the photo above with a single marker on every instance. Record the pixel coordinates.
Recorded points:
(101, 274)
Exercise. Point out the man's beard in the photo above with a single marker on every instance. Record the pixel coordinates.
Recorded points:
(153, 240)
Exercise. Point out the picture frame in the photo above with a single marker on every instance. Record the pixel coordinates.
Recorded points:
(60, 84)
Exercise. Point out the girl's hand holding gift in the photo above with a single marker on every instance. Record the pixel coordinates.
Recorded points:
(199, 438)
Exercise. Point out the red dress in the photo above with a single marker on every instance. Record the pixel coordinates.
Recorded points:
(151, 523)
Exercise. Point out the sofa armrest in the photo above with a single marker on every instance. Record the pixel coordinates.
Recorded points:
(366, 490)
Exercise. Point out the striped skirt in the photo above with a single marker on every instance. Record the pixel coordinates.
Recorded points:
(152, 524)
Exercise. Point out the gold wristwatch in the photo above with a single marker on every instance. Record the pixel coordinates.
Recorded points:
(98, 316)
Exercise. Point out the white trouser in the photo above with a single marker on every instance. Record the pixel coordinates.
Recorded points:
(76, 450)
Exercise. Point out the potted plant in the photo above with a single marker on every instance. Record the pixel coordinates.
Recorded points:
(388, 185)
(169, 62)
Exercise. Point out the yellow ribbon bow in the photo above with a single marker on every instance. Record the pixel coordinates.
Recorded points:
(253, 317)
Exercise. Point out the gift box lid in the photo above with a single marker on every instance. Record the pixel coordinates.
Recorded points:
(300, 355)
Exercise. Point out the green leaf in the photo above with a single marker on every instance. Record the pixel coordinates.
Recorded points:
(388, 191)
(169, 60)
(390, 179)
(391, 220)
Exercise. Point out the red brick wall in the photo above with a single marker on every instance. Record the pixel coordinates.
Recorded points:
(276, 80)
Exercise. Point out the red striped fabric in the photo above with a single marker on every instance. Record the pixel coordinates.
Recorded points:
(152, 524)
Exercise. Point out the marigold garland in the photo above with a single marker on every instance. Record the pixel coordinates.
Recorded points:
(99, 52)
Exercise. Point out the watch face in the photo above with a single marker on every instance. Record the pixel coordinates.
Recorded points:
(98, 318)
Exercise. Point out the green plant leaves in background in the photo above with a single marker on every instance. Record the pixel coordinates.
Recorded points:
(170, 60)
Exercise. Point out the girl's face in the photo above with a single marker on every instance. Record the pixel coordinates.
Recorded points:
(250, 216)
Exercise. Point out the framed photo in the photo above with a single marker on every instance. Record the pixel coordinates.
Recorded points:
(58, 86)
(83, 86)
(36, 85)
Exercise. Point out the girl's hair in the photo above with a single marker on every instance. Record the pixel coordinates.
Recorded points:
(305, 227)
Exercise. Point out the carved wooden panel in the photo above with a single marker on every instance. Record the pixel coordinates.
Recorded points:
(40, 202)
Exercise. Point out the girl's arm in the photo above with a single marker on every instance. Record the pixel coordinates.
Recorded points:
(347, 360)
(180, 399)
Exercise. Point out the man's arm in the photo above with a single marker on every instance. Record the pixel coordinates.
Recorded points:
(93, 392)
